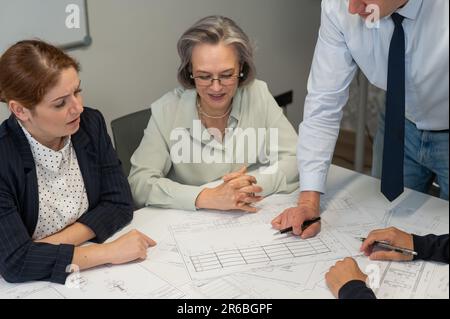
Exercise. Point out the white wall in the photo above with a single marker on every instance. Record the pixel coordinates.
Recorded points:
(3, 112)
(133, 60)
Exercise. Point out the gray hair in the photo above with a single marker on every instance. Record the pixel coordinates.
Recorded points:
(212, 30)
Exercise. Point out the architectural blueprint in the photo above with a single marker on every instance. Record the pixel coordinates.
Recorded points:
(214, 249)
(236, 255)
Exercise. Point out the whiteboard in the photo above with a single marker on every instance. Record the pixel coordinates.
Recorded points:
(46, 20)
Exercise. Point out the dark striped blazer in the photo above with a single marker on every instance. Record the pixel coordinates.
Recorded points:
(109, 195)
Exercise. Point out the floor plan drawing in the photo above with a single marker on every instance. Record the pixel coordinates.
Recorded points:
(234, 255)
(210, 250)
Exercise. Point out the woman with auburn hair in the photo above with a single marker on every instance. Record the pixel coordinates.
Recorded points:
(61, 183)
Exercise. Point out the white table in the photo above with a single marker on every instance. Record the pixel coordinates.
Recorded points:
(163, 274)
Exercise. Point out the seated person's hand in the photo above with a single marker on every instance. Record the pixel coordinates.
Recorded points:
(296, 216)
(341, 273)
(129, 247)
(241, 172)
(392, 236)
(236, 193)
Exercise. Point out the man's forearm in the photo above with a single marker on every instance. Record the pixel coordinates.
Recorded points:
(432, 247)
(310, 199)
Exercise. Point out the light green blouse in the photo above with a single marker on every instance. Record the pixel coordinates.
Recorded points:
(178, 155)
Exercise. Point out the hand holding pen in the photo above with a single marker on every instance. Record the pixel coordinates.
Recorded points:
(394, 243)
(307, 208)
(305, 225)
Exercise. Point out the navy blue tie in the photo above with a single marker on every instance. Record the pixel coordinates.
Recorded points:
(394, 135)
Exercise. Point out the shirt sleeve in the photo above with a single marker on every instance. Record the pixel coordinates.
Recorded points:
(151, 163)
(280, 173)
(115, 207)
(332, 71)
(356, 289)
(431, 247)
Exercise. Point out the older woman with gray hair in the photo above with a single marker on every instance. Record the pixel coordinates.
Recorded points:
(223, 125)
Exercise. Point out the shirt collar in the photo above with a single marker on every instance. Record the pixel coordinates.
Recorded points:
(45, 156)
(188, 109)
(236, 107)
(411, 9)
(187, 113)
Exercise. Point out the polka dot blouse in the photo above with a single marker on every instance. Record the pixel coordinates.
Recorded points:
(62, 195)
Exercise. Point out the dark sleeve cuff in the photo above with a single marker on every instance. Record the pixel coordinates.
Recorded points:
(432, 247)
(420, 246)
(356, 289)
(64, 259)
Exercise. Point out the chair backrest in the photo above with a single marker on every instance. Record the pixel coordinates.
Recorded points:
(284, 99)
(127, 134)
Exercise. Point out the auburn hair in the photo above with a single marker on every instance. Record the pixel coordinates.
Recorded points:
(29, 69)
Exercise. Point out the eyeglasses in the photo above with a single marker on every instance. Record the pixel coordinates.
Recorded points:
(207, 80)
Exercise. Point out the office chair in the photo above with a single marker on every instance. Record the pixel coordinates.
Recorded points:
(127, 132)
(284, 99)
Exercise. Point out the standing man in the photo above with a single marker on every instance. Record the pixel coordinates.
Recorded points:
(405, 52)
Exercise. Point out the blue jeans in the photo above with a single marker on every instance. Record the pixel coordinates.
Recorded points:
(426, 157)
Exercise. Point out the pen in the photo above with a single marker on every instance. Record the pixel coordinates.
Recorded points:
(401, 250)
(305, 225)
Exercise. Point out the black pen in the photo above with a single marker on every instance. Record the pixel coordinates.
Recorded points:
(385, 245)
(305, 225)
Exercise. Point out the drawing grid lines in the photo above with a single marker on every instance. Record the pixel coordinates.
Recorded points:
(253, 255)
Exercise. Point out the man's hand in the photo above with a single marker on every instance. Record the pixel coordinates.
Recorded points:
(341, 273)
(307, 209)
(392, 236)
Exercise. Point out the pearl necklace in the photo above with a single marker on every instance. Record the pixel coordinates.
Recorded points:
(200, 110)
